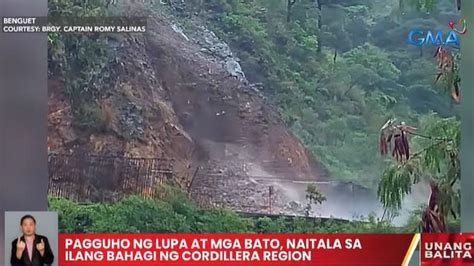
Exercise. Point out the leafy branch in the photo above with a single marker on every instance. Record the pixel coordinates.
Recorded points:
(448, 71)
(83, 62)
(313, 195)
(438, 161)
(428, 137)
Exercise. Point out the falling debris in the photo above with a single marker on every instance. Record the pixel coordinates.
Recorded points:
(212, 45)
(177, 29)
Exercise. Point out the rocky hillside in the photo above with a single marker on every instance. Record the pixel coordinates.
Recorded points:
(183, 96)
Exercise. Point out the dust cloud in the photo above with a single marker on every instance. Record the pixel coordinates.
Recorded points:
(244, 184)
(350, 201)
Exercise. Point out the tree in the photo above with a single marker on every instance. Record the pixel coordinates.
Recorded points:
(174, 212)
(288, 9)
(424, 5)
(83, 62)
(448, 72)
(437, 160)
(320, 24)
(313, 196)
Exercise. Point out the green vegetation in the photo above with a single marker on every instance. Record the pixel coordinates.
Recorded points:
(337, 73)
(83, 62)
(173, 212)
(337, 83)
(437, 158)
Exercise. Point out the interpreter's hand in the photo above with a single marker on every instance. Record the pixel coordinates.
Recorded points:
(40, 247)
(20, 245)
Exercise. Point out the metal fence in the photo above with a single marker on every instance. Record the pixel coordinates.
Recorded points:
(84, 177)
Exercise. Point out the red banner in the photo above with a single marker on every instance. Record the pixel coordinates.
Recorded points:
(447, 249)
(235, 249)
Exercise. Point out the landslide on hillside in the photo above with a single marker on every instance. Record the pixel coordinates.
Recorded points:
(174, 97)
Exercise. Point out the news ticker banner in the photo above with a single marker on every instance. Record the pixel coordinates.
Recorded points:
(236, 249)
(447, 249)
(264, 249)
(73, 24)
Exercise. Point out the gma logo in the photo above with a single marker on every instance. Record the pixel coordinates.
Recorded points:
(421, 38)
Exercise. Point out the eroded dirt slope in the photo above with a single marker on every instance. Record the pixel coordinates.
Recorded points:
(221, 111)
(181, 97)
(173, 97)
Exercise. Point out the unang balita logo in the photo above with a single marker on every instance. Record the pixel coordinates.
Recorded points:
(438, 38)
